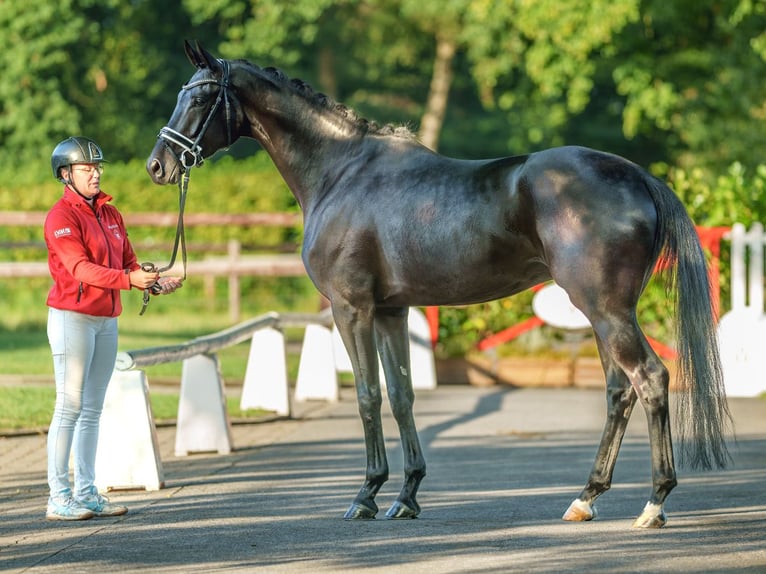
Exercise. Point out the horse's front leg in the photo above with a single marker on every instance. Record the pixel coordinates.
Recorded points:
(393, 345)
(355, 326)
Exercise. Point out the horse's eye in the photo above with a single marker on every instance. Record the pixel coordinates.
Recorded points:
(198, 101)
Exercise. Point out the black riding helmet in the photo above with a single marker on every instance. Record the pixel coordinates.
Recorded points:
(73, 150)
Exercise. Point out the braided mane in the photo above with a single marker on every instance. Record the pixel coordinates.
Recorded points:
(324, 101)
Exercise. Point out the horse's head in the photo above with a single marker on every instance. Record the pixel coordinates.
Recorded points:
(204, 121)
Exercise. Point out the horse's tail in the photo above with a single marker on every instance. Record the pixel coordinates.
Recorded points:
(702, 414)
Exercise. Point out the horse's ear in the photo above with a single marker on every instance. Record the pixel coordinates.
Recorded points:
(192, 55)
(201, 58)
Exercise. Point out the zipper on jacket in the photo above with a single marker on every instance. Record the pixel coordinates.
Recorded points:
(80, 289)
(108, 249)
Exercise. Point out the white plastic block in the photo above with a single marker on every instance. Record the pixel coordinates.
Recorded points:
(742, 340)
(128, 455)
(422, 364)
(421, 354)
(317, 377)
(265, 385)
(203, 421)
(340, 355)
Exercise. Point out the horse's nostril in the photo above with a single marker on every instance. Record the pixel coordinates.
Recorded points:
(155, 168)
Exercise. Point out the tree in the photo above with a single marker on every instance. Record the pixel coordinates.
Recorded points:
(102, 68)
(33, 109)
(527, 58)
(691, 72)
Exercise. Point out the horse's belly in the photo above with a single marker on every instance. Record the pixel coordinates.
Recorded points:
(455, 285)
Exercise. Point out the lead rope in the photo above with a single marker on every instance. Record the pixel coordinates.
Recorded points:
(156, 288)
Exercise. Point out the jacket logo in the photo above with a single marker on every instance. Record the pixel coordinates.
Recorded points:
(62, 232)
(115, 229)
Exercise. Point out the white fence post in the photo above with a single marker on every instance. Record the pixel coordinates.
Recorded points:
(742, 331)
(265, 385)
(203, 421)
(755, 263)
(738, 274)
(128, 454)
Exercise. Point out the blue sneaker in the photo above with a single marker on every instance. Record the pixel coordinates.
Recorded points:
(100, 506)
(68, 510)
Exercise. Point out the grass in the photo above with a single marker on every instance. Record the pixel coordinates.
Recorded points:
(168, 320)
(26, 407)
(187, 314)
(31, 407)
(26, 352)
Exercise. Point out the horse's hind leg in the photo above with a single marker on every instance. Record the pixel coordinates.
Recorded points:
(620, 398)
(356, 329)
(393, 345)
(622, 340)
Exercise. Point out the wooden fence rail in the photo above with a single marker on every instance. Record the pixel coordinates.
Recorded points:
(285, 265)
(37, 218)
(233, 265)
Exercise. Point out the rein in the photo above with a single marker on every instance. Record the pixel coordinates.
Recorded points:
(156, 288)
(191, 156)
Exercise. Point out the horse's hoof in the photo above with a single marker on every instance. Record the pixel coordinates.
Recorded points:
(400, 510)
(358, 511)
(579, 511)
(653, 516)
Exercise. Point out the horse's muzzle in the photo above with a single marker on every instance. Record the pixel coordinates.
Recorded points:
(158, 172)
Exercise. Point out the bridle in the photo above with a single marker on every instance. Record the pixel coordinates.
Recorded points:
(191, 156)
(191, 151)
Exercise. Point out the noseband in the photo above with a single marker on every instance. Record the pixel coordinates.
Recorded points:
(191, 151)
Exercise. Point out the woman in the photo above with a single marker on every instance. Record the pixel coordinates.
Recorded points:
(90, 260)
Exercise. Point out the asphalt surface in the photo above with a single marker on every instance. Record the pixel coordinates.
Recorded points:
(503, 465)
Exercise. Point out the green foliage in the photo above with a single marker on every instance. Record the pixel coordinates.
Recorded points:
(106, 69)
(737, 195)
(538, 60)
(31, 408)
(223, 186)
(462, 328)
(33, 105)
(681, 78)
(690, 73)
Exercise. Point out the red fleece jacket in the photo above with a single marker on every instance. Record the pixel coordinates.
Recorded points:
(89, 255)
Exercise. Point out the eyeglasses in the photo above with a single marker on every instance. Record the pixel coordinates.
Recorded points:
(90, 169)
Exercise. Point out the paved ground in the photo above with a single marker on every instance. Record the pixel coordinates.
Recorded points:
(504, 464)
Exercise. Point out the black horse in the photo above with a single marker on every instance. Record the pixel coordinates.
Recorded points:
(390, 224)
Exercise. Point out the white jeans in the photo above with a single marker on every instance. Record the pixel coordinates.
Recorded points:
(84, 351)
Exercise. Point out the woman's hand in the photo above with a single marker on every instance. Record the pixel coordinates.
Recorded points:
(143, 279)
(169, 284)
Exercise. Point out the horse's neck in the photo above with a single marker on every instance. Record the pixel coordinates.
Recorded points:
(306, 147)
